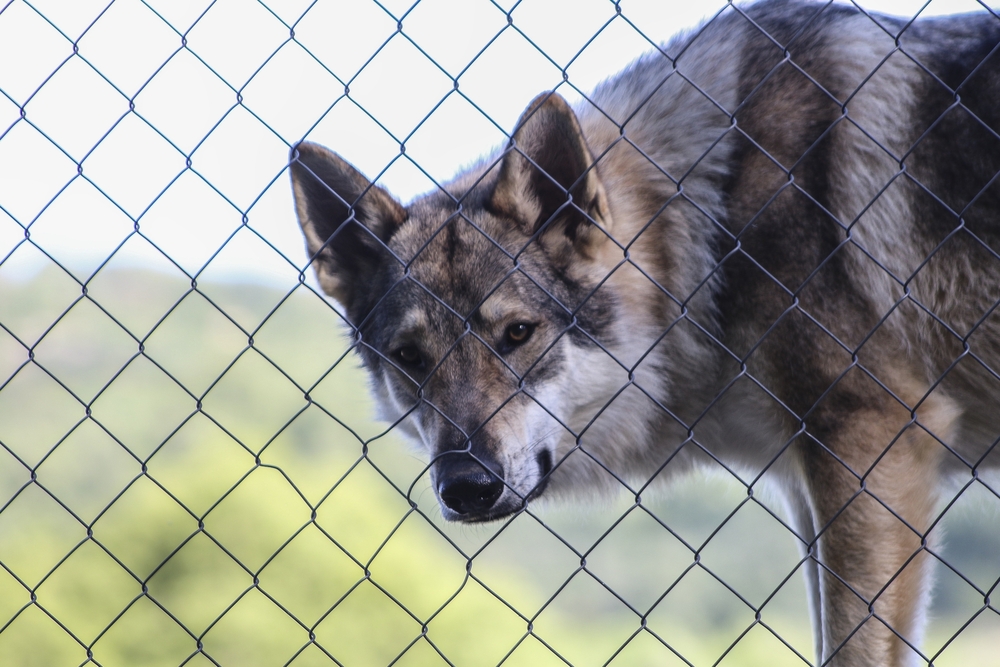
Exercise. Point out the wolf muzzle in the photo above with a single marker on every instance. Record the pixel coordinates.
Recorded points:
(469, 486)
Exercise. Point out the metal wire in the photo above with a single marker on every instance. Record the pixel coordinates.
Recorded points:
(170, 548)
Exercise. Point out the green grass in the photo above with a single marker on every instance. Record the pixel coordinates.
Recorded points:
(259, 519)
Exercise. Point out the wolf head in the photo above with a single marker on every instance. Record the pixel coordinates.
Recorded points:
(470, 305)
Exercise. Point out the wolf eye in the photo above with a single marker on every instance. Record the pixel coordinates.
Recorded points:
(518, 334)
(408, 356)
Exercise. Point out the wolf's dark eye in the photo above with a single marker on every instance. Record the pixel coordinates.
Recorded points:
(408, 356)
(518, 334)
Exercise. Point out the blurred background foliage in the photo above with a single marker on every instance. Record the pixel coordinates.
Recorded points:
(218, 517)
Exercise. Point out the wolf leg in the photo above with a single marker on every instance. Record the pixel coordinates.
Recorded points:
(873, 479)
(801, 516)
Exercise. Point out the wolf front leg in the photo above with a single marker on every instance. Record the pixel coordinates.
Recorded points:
(872, 475)
(800, 509)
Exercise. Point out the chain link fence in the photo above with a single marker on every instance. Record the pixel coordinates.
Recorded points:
(190, 471)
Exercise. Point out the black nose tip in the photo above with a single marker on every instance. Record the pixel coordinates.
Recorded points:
(469, 488)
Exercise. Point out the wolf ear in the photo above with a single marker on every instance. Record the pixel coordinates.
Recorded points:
(345, 218)
(548, 182)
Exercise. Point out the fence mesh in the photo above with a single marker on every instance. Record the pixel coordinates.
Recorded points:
(190, 471)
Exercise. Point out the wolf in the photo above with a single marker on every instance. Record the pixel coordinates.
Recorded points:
(770, 245)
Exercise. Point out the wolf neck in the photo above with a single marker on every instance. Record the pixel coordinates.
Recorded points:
(663, 155)
(661, 137)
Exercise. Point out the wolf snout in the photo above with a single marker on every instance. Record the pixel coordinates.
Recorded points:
(467, 487)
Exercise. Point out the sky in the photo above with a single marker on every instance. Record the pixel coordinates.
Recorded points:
(174, 117)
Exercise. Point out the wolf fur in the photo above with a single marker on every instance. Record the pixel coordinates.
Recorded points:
(771, 245)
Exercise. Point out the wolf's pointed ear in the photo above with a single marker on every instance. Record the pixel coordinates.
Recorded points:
(548, 182)
(345, 218)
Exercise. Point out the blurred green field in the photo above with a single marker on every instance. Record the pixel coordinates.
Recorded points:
(218, 517)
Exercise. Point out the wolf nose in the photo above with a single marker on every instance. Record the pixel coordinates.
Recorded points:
(468, 488)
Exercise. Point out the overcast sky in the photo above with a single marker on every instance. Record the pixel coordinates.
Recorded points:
(59, 110)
